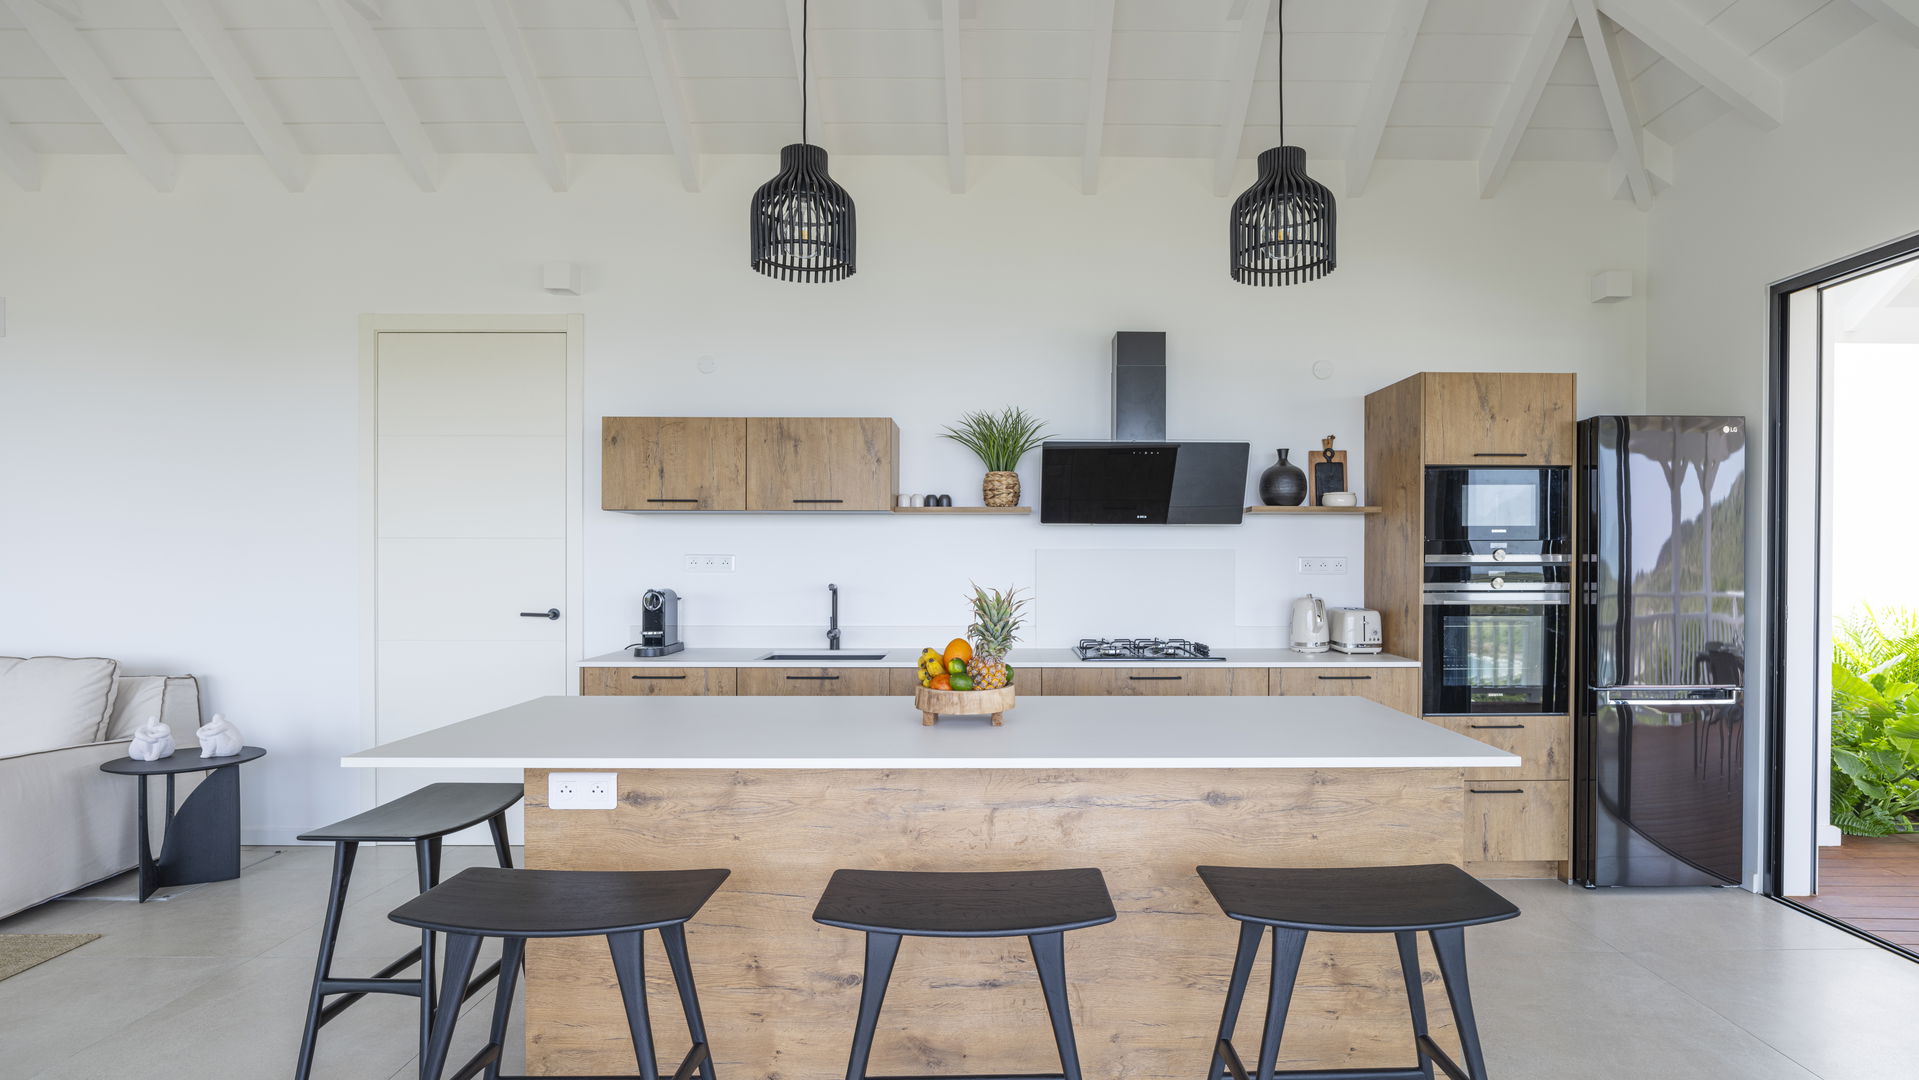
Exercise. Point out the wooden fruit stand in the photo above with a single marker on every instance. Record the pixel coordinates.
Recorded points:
(936, 703)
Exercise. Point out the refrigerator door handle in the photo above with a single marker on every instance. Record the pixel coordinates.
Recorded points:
(1608, 695)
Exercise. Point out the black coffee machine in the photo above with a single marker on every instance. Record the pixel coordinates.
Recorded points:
(659, 624)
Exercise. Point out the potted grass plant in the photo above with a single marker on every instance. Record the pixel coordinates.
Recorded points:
(1000, 439)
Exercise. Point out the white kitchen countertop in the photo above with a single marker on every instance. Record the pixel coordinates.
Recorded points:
(886, 733)
(1038, 658)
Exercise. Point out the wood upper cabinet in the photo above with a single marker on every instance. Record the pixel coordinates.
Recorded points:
(1155, 681)
(1396, 688)
(815, 682)
(821, 463)
(656, 682)
(1498, 418)
(672, 463)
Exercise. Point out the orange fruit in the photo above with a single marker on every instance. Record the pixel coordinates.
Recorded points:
(942, 682)
(958, 649)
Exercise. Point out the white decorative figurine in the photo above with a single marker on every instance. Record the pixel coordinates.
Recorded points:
(151, 741)
(219, 738)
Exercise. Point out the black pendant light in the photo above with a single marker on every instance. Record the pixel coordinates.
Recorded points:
(1282, 228)
(801, 221)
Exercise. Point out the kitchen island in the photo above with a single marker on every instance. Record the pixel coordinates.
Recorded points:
(785, 790)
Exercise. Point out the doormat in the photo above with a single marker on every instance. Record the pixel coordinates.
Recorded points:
(18, 952)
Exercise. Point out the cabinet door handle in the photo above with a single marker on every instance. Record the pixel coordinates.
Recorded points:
(659, 676)
(549, 613)
(813, 678)
(1156, 678)
(673, 500)
(1343, 678)
(1500, 453)
(1497, 727)
(1497, 791)
(819, 500)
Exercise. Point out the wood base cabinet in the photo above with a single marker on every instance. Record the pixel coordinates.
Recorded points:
(656, 682)
(1543, 743)
(1156, 682)
(1397, 688)
(1518, 821)
(814, 682)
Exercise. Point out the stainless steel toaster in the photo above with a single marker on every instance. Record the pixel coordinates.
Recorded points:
(1354, 630)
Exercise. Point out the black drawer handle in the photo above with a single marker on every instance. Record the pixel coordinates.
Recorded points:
(672, 500)
(819, 500)
(1497, 791)
(1343, 678)
(1500, 453)
(1156, 678)
(1497, 727)
(659, 676)
(814, 678)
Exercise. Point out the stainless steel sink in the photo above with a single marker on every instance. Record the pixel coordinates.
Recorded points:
(824, 656)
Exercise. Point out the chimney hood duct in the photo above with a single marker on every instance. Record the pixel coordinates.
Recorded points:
(1138, 477)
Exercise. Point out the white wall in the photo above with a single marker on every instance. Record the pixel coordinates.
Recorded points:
(1752, 207)
(177, 387)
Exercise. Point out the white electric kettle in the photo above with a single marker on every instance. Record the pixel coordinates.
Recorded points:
(1309, 624)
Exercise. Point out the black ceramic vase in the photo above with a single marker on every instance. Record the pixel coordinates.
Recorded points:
(1283, 483)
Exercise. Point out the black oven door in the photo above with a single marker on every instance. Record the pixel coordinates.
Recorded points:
(1478, 514)
(1496, 652)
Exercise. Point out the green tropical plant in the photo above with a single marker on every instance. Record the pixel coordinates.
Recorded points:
(1875, 724)
(1000, 439)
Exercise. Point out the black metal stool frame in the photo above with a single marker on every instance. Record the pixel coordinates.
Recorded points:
(426, 855)
(1449, 945)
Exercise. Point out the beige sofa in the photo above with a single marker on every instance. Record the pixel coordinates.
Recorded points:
(64, 824)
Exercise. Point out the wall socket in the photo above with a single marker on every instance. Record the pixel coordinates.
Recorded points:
(582, 791)
(1322, 564)
(709, 564)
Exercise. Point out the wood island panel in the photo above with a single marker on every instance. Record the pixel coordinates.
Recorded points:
(779, 992)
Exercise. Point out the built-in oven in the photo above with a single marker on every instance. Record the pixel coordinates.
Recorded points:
(1494, 513)
(1497, 638)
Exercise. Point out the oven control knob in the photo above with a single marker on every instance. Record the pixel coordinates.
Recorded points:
(1499, 583)
(1499, 554)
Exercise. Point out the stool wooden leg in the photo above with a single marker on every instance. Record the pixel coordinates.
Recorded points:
(674, 938)
(1415, 994)
(1287, 947)
(1249, 934)
(1049, 958)
(343, 855)
(461, 951)
(1450, 946)
(880, 952)
(426, 865)
(497, 823)
(511, 950)
(629, 963)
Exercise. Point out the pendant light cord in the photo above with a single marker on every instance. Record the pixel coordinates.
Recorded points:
(806, 43)
(1282, 72)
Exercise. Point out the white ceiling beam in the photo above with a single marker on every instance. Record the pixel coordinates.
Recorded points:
(1522, 97)
(375, 72)
(1241, 69)
(796, 33)
(17, 159)
(955, 100)
(516, 63)
(66, 9)
(208, 35)
(1900, 18)
(1610, 71)
(1657, 155)
(371, 10)
(1097, 82)
(667, 91)
(1378, 106)
(102, 93)
(1711, 60)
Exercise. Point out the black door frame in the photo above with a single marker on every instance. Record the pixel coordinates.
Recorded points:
(1778, 372)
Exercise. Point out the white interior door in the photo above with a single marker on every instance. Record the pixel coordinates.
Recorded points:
(471, 537)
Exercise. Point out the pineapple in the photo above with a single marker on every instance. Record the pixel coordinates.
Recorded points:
(996, 622)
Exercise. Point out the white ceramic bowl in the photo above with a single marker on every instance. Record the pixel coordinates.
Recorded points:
(1339, 498)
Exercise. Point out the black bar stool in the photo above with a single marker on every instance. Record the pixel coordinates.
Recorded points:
(421, 818)
(1397, 900)
(514, 905)
(1039, 905)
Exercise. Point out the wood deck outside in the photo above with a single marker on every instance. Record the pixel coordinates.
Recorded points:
(1873, 884)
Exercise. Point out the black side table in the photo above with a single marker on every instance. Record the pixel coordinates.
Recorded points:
(202, 840)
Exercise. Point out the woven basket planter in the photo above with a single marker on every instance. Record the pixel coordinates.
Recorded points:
(1001, 489)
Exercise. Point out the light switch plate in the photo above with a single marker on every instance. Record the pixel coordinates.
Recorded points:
(582, 791)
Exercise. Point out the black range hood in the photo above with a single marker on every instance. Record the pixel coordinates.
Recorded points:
(1139, 477)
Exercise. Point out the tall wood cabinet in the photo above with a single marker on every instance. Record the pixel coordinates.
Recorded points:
(759, 463)
(1518, 819)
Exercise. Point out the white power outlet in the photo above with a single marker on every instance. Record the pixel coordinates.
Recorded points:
(709, 564)
(1322, 564)
(582, 791)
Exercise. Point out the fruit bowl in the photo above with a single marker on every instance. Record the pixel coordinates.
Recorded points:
(934, 704)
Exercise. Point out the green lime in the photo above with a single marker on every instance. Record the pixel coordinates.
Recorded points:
(962, 682)
(956, 666)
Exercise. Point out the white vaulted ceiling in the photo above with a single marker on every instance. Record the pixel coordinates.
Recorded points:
(1459, 80)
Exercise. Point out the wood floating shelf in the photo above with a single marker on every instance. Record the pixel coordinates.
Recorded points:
(1312, 509)
(962, 509)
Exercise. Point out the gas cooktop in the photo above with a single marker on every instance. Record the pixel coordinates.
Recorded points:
(1136, 649)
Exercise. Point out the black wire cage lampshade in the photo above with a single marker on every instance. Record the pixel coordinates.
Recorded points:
(1283, 227)
(802, 222)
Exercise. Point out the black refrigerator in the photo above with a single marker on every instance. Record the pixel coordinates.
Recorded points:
(1660, 660)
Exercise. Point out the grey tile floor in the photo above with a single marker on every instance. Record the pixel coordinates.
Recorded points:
(1619, 985)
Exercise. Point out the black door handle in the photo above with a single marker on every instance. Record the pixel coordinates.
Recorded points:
(1343, 678)
(1500, 453)
(814, 678)
(1496, 727)
(1156, 678)
(819, 500)
(659, 676)
(1497, 791)
(549, 613)
(673, 500)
